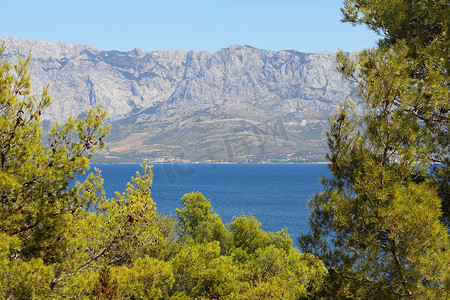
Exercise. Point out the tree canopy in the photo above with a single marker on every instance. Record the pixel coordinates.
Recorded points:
(382, 220)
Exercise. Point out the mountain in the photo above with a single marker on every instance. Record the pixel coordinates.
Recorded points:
(238, 104)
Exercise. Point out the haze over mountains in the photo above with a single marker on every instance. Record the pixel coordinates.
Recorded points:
(240, 104)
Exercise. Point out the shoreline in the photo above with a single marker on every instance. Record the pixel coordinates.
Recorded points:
(212, 163)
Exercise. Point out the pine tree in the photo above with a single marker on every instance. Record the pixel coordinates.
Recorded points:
(379, 224)
(38, 207)
(36, 200)
(422, 26)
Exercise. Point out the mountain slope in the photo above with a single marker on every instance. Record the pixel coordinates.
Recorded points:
(237, 104)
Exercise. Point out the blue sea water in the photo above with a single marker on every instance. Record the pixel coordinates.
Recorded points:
(276, 194)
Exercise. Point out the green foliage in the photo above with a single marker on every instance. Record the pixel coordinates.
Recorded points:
(37, 203)
(279, 274)
(148, 278)
(256, 264)
(22, 279)
(248, 235)
(418, 32)
(197, 221)
(60, 238)
(55, 235)
(200, 271)
(419, 23)
(379, 224)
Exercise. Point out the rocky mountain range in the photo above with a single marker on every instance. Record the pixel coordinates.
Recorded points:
(239, 104)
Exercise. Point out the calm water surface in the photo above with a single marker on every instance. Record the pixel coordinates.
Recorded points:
(276, 194)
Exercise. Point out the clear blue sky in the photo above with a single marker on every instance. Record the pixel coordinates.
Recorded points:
(303, 25)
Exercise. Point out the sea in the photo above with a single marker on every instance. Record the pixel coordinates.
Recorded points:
(276, 194)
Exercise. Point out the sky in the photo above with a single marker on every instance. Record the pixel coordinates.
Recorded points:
(303, 25)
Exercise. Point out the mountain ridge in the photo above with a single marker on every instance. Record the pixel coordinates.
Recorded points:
(174, 104)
